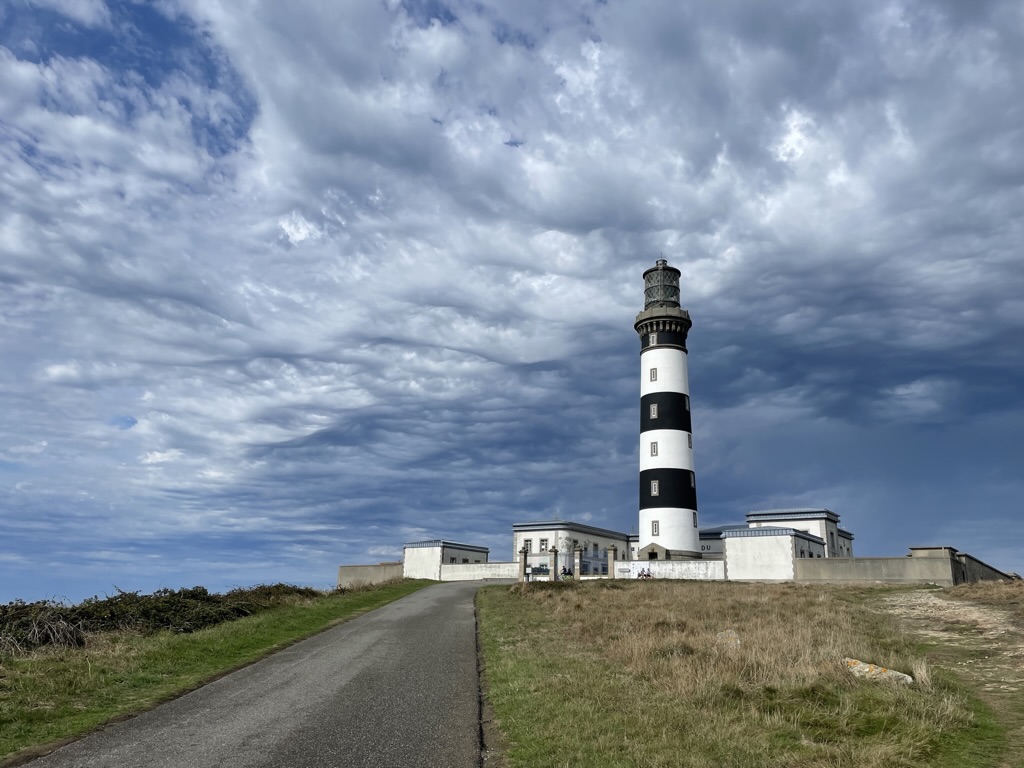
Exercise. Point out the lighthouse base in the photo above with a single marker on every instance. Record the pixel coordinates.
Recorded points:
(658, 552)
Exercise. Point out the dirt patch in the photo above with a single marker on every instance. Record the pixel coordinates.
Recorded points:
(993, 642)
(982, 644)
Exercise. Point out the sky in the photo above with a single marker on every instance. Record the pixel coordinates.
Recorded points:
(286, 285)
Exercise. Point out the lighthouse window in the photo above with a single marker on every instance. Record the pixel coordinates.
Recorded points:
(654, 528)
(686, 401)
(654, 410)
(654, 487)
(693, 480)
(654, 374)
(654, 448)
(654, 339)
(694, 519)
(689, 439)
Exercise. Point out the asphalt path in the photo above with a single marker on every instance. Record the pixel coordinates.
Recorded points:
(394, 688)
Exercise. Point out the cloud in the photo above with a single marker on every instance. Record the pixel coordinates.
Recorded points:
(286, 288)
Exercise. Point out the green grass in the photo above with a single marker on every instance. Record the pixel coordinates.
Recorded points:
(53, 694)
(630, 674)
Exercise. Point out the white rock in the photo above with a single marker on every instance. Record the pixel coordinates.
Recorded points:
(875, 672)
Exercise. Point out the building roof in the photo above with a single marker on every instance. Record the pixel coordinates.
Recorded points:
(445, 543)
(569, 525)
(716, 532)
(744, 533)
(799, 513)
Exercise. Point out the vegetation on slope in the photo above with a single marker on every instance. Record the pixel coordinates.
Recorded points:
(58, 691)
(25, 626)
(617, 673)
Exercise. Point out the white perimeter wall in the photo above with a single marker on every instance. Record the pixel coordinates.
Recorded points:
(422, 563)
(477, 571)
(760, 558)
(702, 570)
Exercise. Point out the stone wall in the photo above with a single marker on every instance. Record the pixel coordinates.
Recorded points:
(365, 575)
(972, 569)
(888, 570)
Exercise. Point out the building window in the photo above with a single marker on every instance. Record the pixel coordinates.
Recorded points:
(694, 519)
(451, 559)
(476, 561)
(654, 528)
(465, 559)
(654, 339)
(543, 545)
(595, 547)
(528, 545)
(654, 487)
(654, 410)
(689, 440)
(686, 402)
(693, 480)
(654, 448)
(654, 374)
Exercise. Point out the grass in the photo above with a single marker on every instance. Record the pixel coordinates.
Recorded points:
(1006, 595)
(52, 694)
(618, 673)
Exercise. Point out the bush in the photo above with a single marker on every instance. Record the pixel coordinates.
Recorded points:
(25, 626)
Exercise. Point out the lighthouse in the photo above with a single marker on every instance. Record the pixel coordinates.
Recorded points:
(668, 487)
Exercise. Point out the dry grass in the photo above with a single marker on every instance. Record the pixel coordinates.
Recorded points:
(1008, 595)
(631, 674)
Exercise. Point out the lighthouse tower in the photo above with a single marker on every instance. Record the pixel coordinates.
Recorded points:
(668, 488)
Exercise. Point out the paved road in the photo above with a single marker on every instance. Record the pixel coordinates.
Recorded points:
(395, 688)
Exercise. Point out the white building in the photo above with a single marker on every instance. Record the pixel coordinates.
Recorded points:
(540, 537)
(767, 553)
(823, 523)
(423, 559)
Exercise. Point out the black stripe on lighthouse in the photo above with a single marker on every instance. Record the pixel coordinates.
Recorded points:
(671, 411)
(676, 488)
(665, 339)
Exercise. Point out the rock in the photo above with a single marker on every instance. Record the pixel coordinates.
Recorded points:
(728, 639)
(875, 672)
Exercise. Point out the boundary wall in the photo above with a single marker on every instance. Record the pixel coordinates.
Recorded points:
(350, 576)
(478, 571)
(888, 570)
(700, 570)
(927, 565)
(972, 569)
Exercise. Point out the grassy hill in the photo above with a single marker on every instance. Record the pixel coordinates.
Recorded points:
(617, 673)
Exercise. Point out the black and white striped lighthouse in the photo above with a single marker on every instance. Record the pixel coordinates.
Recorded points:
(668, 487)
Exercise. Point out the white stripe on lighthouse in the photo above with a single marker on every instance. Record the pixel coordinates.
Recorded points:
(670, 365)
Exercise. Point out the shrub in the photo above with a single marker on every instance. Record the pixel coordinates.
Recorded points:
(24, 626)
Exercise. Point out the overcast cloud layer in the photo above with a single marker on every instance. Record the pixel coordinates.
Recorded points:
(283, 286)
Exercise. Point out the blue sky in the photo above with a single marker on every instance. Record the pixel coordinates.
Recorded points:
(283, 286)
